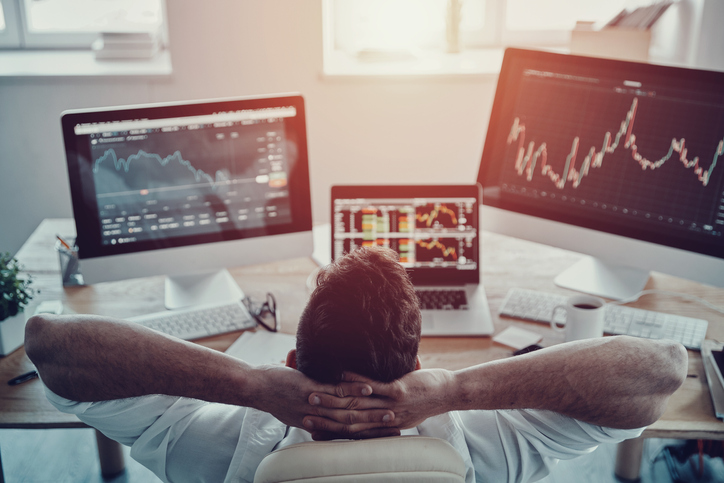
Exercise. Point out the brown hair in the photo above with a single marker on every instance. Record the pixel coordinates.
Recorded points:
(363, 316)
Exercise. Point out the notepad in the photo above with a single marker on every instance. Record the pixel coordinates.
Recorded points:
(262, 347)
(517, 338)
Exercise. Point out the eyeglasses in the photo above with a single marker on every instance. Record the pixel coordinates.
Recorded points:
(268, 307)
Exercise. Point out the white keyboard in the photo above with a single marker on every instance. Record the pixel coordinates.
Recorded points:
(199, 321)
(538, 307)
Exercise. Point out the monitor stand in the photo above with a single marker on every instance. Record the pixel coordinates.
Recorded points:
(596, 277)
(201, 288)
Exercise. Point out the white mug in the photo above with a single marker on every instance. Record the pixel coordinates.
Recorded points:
(584, 317)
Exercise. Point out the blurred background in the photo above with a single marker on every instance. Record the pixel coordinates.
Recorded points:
(396, 90)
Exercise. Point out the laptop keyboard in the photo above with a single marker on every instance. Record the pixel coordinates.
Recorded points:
(442, 299)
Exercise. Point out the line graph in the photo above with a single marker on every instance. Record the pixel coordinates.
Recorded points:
(527, 157)
(446, 251)
(121, 164)
(428, 218)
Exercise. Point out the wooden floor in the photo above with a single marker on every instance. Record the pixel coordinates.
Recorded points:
(69, 455)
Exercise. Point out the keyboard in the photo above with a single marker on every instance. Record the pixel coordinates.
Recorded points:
(198, 321)
(442, 299)
(538, 306)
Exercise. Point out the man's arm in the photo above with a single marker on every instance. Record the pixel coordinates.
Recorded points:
(618, 382)
(89, 358)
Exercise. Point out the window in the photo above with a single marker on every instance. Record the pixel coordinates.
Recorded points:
(8, 29)
(75, 37)
(382, 34)
(54, 24)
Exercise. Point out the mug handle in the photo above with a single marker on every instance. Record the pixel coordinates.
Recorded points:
(554, 325)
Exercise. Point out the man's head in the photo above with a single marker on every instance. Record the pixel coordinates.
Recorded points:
(363, 317)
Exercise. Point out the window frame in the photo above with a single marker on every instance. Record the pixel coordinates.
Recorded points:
(10, 35)
(493, 33)
(18, 36)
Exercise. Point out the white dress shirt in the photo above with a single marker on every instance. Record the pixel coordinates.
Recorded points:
(183, 440)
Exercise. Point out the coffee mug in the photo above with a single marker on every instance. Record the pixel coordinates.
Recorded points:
(584, 317)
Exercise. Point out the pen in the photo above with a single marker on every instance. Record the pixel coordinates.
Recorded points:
(64, 243)
(22, 378)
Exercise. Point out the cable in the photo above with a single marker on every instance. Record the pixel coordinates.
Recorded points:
(666, 292)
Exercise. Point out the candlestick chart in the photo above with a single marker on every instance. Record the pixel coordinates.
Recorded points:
(527, 156)
(425, 233)
(659, 157)
(436, 215)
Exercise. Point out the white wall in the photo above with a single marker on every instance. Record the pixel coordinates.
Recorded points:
(391, 130)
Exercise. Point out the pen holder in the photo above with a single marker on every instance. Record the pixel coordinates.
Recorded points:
(69, 264)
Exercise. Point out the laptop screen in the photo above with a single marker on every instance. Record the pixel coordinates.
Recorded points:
(434, 229)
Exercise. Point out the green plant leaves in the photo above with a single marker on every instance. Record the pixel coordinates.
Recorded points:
(14, 287)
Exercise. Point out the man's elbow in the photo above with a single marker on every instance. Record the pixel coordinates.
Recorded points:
(35, 338)
(675, 367)
(669, 374)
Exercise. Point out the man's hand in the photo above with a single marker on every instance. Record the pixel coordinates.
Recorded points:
(412, 399)
(634, 379)
(85, 358)
(285, 393)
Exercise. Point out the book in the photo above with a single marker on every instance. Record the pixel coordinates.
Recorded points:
(714, 374)
(262, 347)
(126, 45)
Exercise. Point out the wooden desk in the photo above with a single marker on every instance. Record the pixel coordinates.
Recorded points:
(506, 263)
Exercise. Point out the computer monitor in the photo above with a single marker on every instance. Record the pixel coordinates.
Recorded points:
(618, 160)
(185, 189)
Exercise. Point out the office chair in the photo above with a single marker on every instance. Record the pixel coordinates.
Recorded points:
(398, 459)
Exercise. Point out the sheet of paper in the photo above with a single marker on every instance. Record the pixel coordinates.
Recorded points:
(517, 338)
(262, 347)
(322, 235)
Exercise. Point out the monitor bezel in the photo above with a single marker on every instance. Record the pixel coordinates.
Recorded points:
(419, 276)
(507, 90)
(85, 210)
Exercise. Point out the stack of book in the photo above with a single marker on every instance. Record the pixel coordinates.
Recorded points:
(126, 45)
(626, 36)
(642, 18)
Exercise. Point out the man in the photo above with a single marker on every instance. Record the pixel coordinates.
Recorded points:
(511, 420)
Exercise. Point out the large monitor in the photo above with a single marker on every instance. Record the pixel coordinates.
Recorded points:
(187, 189)
(618, 160)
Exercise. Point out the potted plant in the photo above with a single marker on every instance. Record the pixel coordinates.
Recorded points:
(15, 294)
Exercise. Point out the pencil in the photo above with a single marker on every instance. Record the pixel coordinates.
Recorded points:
(64, 243)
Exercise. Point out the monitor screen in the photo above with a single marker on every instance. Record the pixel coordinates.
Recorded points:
(172, 175)
(619, 147)
(434, 229)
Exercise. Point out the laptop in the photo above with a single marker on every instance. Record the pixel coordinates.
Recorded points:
(435, 231)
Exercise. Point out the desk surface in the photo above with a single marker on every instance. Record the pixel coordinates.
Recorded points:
(506, 263)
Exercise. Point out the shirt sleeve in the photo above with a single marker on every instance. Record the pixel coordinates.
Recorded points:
(172, 436)
(524, 445)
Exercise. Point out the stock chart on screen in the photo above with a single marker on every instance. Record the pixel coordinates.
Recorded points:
(635, 150)
(425, 232)
(190, 176)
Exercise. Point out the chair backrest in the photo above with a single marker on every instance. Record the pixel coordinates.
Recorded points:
(398, 459)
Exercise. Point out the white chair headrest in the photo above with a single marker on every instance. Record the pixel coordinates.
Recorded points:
(398, 459)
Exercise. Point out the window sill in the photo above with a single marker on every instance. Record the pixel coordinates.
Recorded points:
(472, 62)
(33, 63)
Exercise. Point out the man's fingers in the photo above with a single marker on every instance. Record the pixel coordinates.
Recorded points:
(378, 388)
(377, 416)
(317, 424)
(333, 402)
(370, 433)
(348, 388)
(354, 377)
